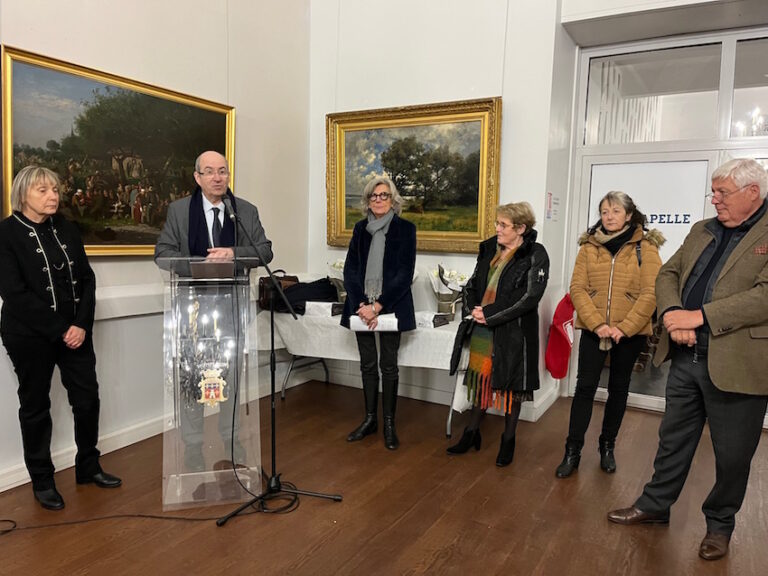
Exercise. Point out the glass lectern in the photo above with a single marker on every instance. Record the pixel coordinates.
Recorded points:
(211, 434)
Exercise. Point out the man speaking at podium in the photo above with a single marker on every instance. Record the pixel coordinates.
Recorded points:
(196, 225)
(200, 226)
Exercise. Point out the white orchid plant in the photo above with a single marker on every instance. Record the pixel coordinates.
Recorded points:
(447, 286)
(446, 281)
(336, 268)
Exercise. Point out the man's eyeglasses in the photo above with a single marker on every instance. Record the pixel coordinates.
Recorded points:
(382, 196)
(722, 195)
(210, 172)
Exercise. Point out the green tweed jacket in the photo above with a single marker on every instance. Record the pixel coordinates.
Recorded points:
(737, 314)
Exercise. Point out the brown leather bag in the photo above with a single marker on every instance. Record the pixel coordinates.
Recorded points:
(265, 286)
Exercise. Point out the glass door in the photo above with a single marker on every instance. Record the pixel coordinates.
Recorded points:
(671, 195)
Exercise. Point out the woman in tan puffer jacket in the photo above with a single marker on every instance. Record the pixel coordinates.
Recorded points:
(612, 289)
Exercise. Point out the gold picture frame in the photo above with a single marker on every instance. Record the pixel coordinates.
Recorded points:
(123, 149)
(444, 159)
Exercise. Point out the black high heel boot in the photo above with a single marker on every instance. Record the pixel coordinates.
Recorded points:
(391, 440)
(570, 461)
(468, 439)
(369, 426)
(607, 459)
(506, 451)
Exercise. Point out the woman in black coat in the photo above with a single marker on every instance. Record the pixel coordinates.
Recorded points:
(502, 324)
(377, 276)
(48, 291)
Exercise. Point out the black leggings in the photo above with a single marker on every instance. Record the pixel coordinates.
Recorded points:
(591, 362)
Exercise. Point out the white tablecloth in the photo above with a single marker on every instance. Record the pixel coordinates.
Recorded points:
(323, 337)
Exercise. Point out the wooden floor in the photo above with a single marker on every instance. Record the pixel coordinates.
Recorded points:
(414, 511)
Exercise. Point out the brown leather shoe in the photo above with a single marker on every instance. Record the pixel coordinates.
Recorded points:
(630, 516)
(714, 546)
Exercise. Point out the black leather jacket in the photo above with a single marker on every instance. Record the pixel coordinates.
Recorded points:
(514, 316)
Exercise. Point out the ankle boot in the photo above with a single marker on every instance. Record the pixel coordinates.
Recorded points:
(570, 461)
(468, 439)
(607, 460)
(390, 436)
(368, 426)
(506, 451)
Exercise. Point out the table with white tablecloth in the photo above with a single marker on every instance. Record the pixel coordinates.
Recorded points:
(324, 337)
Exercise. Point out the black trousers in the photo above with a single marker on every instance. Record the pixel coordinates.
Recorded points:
(370, 363)
(591, 362)
(33, 360)
(735, 424)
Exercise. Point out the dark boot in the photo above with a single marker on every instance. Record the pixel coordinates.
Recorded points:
(607, 460)
(468, 439)
(370, 424)
(388, 404)
(570, 461)
(390, 436)
(506, 451)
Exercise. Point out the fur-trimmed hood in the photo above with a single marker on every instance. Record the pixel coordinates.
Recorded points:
(654, 236)
(629, 274)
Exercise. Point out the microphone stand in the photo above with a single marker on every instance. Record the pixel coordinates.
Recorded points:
(275, 487)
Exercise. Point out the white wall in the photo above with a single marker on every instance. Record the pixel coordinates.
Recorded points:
(437, 52)
(554, 216)
(284, 66)
(251, 55)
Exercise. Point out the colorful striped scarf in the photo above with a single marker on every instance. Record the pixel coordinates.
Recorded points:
(478, 378)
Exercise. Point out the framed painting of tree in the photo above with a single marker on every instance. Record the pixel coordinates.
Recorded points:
(443, 159)
(124, 150)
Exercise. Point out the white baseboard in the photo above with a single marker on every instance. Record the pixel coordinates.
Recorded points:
(63, 459)
(530, 412)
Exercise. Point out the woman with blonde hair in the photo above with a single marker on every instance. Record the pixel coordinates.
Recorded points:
(501, 303)
(378, 273)
(49, 295)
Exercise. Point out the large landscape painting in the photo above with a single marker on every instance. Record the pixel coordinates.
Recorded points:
(123, 150)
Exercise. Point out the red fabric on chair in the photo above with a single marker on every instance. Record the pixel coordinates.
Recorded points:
(560, 341)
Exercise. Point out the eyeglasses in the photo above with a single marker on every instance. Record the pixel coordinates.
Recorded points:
(724, 194)
(503, 225)
(210, 172)
(383, 196)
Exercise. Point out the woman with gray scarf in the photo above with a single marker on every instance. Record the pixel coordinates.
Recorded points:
(377, 276)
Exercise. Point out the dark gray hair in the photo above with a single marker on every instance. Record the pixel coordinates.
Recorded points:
(397, 200)
(743, 172)
(25, 179)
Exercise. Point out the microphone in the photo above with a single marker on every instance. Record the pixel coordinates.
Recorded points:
(230, 209)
